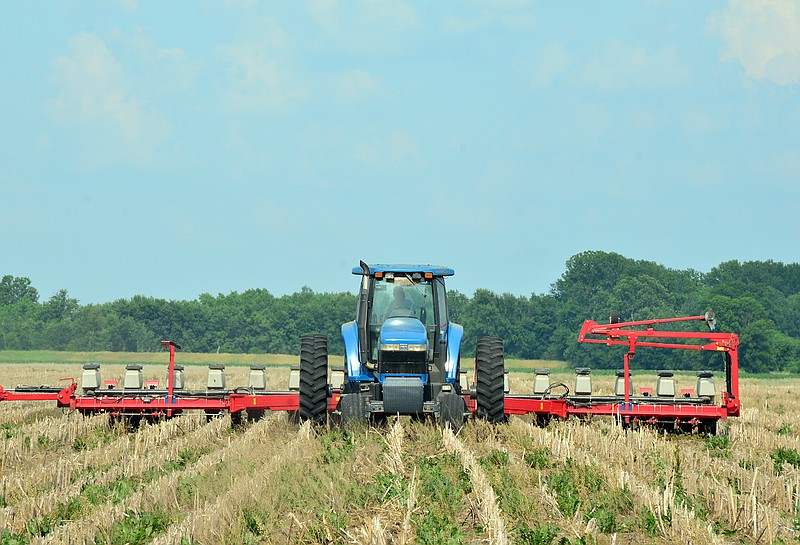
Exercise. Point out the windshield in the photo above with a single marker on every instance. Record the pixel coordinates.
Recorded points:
(399, 296)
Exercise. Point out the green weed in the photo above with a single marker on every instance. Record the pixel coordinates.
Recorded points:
(136, 528)
(587, 539)
(496, 458)
(605, 505)
(718, 445)
(782, 456)
(602, 503)
(45, 443)
(511, 498)
(648, 522)
(186, 490)
(337, 448)
(724, 530)
(186, 458)
(693, 503)
(7, 538)
(540, 458)
(564, 486)
(254, 523)
(64, 512)
(437, 482)
(540, 534)
(786, 429)
(9, 430)
(442, 485)
(381, 487)
(115, 491)
(436, 528)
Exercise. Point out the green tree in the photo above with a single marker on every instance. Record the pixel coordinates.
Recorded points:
(756, 352)
(785, 352)
(14, 289)
(19, 325)
(59, 307)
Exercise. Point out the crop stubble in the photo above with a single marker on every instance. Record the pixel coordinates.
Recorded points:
(188, 481)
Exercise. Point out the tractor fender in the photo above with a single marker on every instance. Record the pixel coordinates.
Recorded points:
(455, 333)
(351, 361)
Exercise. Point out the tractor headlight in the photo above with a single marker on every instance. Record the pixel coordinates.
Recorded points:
(404, 347)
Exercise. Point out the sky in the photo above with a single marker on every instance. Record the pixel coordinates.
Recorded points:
(170, 149)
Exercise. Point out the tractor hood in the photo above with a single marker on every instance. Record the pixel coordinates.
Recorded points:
(403, 334)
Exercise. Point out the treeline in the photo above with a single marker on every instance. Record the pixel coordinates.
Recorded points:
(758, 300)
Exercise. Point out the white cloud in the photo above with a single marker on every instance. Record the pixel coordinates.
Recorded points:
(465, 25)
(552, 62)
(376, 14)
(260, 73)
(613, 67)
(786, 167)
(128, 5)
(395, 148)
(402, 146)
(97, 97)
(365, 27)
(763, 36)
(506, 14)
(356, 85)
(618, 66)
(168, 68)
(701, 176)
(700, 122)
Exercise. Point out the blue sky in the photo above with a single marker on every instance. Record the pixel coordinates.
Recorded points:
(175, 148)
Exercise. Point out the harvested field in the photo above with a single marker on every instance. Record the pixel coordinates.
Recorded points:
(72, 479)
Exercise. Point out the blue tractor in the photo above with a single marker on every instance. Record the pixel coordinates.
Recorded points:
(402, 355)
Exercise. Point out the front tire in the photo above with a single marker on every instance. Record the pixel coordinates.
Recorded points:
(451, 411)
(353, 415)
(313, 379)
(489, 378)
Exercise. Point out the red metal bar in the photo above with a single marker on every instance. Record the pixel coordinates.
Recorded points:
(171, 346)
(626, 377)
(6, 395)
(658, 410)
(528, 405)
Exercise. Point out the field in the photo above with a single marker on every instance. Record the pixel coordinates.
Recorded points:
(73, 479)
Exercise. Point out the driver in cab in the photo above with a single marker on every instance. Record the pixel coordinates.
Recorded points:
(400, 306)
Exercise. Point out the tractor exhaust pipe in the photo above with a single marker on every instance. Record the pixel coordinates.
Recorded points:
(363, 314)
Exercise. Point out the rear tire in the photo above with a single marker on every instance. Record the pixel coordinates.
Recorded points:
(132, 421)
(542, 420)
(313, 379)
(254, 415)
(379, 420)
(451, 411)
(489, 375)
(708, 427)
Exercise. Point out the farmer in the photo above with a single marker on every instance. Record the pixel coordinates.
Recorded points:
(400, 306)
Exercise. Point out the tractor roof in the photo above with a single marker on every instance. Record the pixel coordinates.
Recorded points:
(435, 270)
